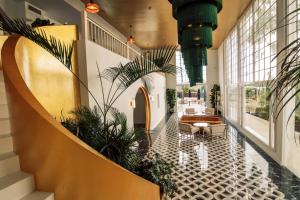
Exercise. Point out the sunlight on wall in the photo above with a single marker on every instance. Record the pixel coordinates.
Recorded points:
(50, 81)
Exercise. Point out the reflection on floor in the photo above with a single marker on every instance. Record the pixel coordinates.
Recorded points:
(222, 168)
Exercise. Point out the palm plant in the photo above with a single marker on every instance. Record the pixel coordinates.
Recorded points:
(117, 142)
(120, 144)
(123, 76)
(109, 136)
(155, 169)
(285, 86)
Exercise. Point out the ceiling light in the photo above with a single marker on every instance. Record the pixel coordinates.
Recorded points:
(131, 39)
(190, 25)
(92, 7)
(197, 38)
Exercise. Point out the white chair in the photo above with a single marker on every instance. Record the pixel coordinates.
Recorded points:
(216, 130)
(209, 111)
(187, 129)
(190, 111)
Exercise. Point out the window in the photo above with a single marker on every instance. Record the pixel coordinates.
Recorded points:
(231, 65)
(257, 112)
(246, 47)
(265, 36)
(249, 63)
(181, 75)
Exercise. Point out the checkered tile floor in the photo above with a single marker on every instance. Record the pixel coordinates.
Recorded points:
(214, 169)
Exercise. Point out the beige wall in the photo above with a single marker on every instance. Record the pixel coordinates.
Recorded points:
(212, 76)
(48, 79)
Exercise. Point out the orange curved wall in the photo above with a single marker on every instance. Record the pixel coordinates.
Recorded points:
(61, 162)
(48, 79)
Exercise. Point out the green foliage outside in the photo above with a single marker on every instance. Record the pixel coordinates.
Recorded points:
(258, 98)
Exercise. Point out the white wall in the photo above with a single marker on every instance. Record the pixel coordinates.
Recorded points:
(212, 76)
(106, 58)
(290, 141)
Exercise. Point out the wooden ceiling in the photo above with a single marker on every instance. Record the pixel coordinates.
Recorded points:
(153, 24)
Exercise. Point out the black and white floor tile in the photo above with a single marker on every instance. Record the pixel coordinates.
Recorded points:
(212, 169)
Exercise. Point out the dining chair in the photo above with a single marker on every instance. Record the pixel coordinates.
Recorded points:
(187, 129)
(209, 111)
(190, 111)
(217, 130)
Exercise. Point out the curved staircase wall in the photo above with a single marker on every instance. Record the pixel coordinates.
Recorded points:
(60, 162)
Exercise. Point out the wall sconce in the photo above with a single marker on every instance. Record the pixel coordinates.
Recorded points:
(132, 103)
(151, 98)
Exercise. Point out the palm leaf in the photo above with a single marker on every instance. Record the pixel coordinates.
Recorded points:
(157, 60)
(63, 52)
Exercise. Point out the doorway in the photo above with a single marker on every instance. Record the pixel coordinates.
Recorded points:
(141, 118)
(141, 113)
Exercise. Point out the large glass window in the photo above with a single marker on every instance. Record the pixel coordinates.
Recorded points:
(249, 63)
(265, 37)
(181, 76)
(257, 112)
(231, 64)
(246, 47)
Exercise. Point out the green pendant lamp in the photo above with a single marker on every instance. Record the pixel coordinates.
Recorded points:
(197, 19)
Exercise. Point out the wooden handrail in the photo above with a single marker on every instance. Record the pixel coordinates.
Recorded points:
(60, 162)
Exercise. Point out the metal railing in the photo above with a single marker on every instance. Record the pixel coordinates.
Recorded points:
(104, 38)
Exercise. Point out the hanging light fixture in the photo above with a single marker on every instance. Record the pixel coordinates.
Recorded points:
(131, 39)
(196, 20)
(92, 7)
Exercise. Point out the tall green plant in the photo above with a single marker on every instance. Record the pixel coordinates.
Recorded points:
(214, 95)
(171, 99)
(115, 141)
(284, 88)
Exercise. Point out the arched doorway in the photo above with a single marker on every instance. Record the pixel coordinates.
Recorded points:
(141, 118)
(141, 113)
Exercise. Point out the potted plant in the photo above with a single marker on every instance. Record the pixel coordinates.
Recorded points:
(171, 99)
(214, 96)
